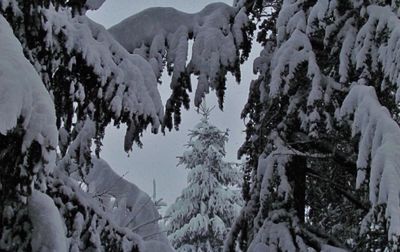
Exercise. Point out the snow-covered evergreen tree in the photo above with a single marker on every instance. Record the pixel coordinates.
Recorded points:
(322, 138)
(201, 217)
(66, 81)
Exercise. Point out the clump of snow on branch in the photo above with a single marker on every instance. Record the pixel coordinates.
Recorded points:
(49, 232)
(26, 103)
(315, 70)
(276, 235)
(103, 83)
(372, 48)
(385, 24)
(273, 164)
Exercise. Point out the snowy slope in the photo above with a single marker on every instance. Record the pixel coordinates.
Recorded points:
(122, 203)
(124, 195)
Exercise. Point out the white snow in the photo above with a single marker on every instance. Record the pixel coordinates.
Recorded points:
(49, 232)
(142, 216)
(346, 52)
(377, 41)
(273, 237)
(379, 146)
(291, 53)
(23, 96)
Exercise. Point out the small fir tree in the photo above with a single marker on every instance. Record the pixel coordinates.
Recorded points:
(201, 217)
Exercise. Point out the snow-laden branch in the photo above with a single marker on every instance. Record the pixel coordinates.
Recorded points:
(24, 101)
(130, 76)
(23, 94)
(162, 36)
(371, 47)
(379, 150)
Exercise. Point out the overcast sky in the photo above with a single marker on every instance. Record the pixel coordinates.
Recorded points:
(158, 159)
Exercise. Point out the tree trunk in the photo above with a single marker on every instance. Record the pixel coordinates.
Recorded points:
(296, 173)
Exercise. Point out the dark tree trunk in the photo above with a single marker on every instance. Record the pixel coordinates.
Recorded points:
(297, 176)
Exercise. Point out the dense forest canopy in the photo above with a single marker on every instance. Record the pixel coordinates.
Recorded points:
(323, 139)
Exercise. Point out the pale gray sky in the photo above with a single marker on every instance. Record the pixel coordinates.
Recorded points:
(157, 159)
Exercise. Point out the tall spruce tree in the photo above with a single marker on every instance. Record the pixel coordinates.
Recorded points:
(322, 138)
(201, 217)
